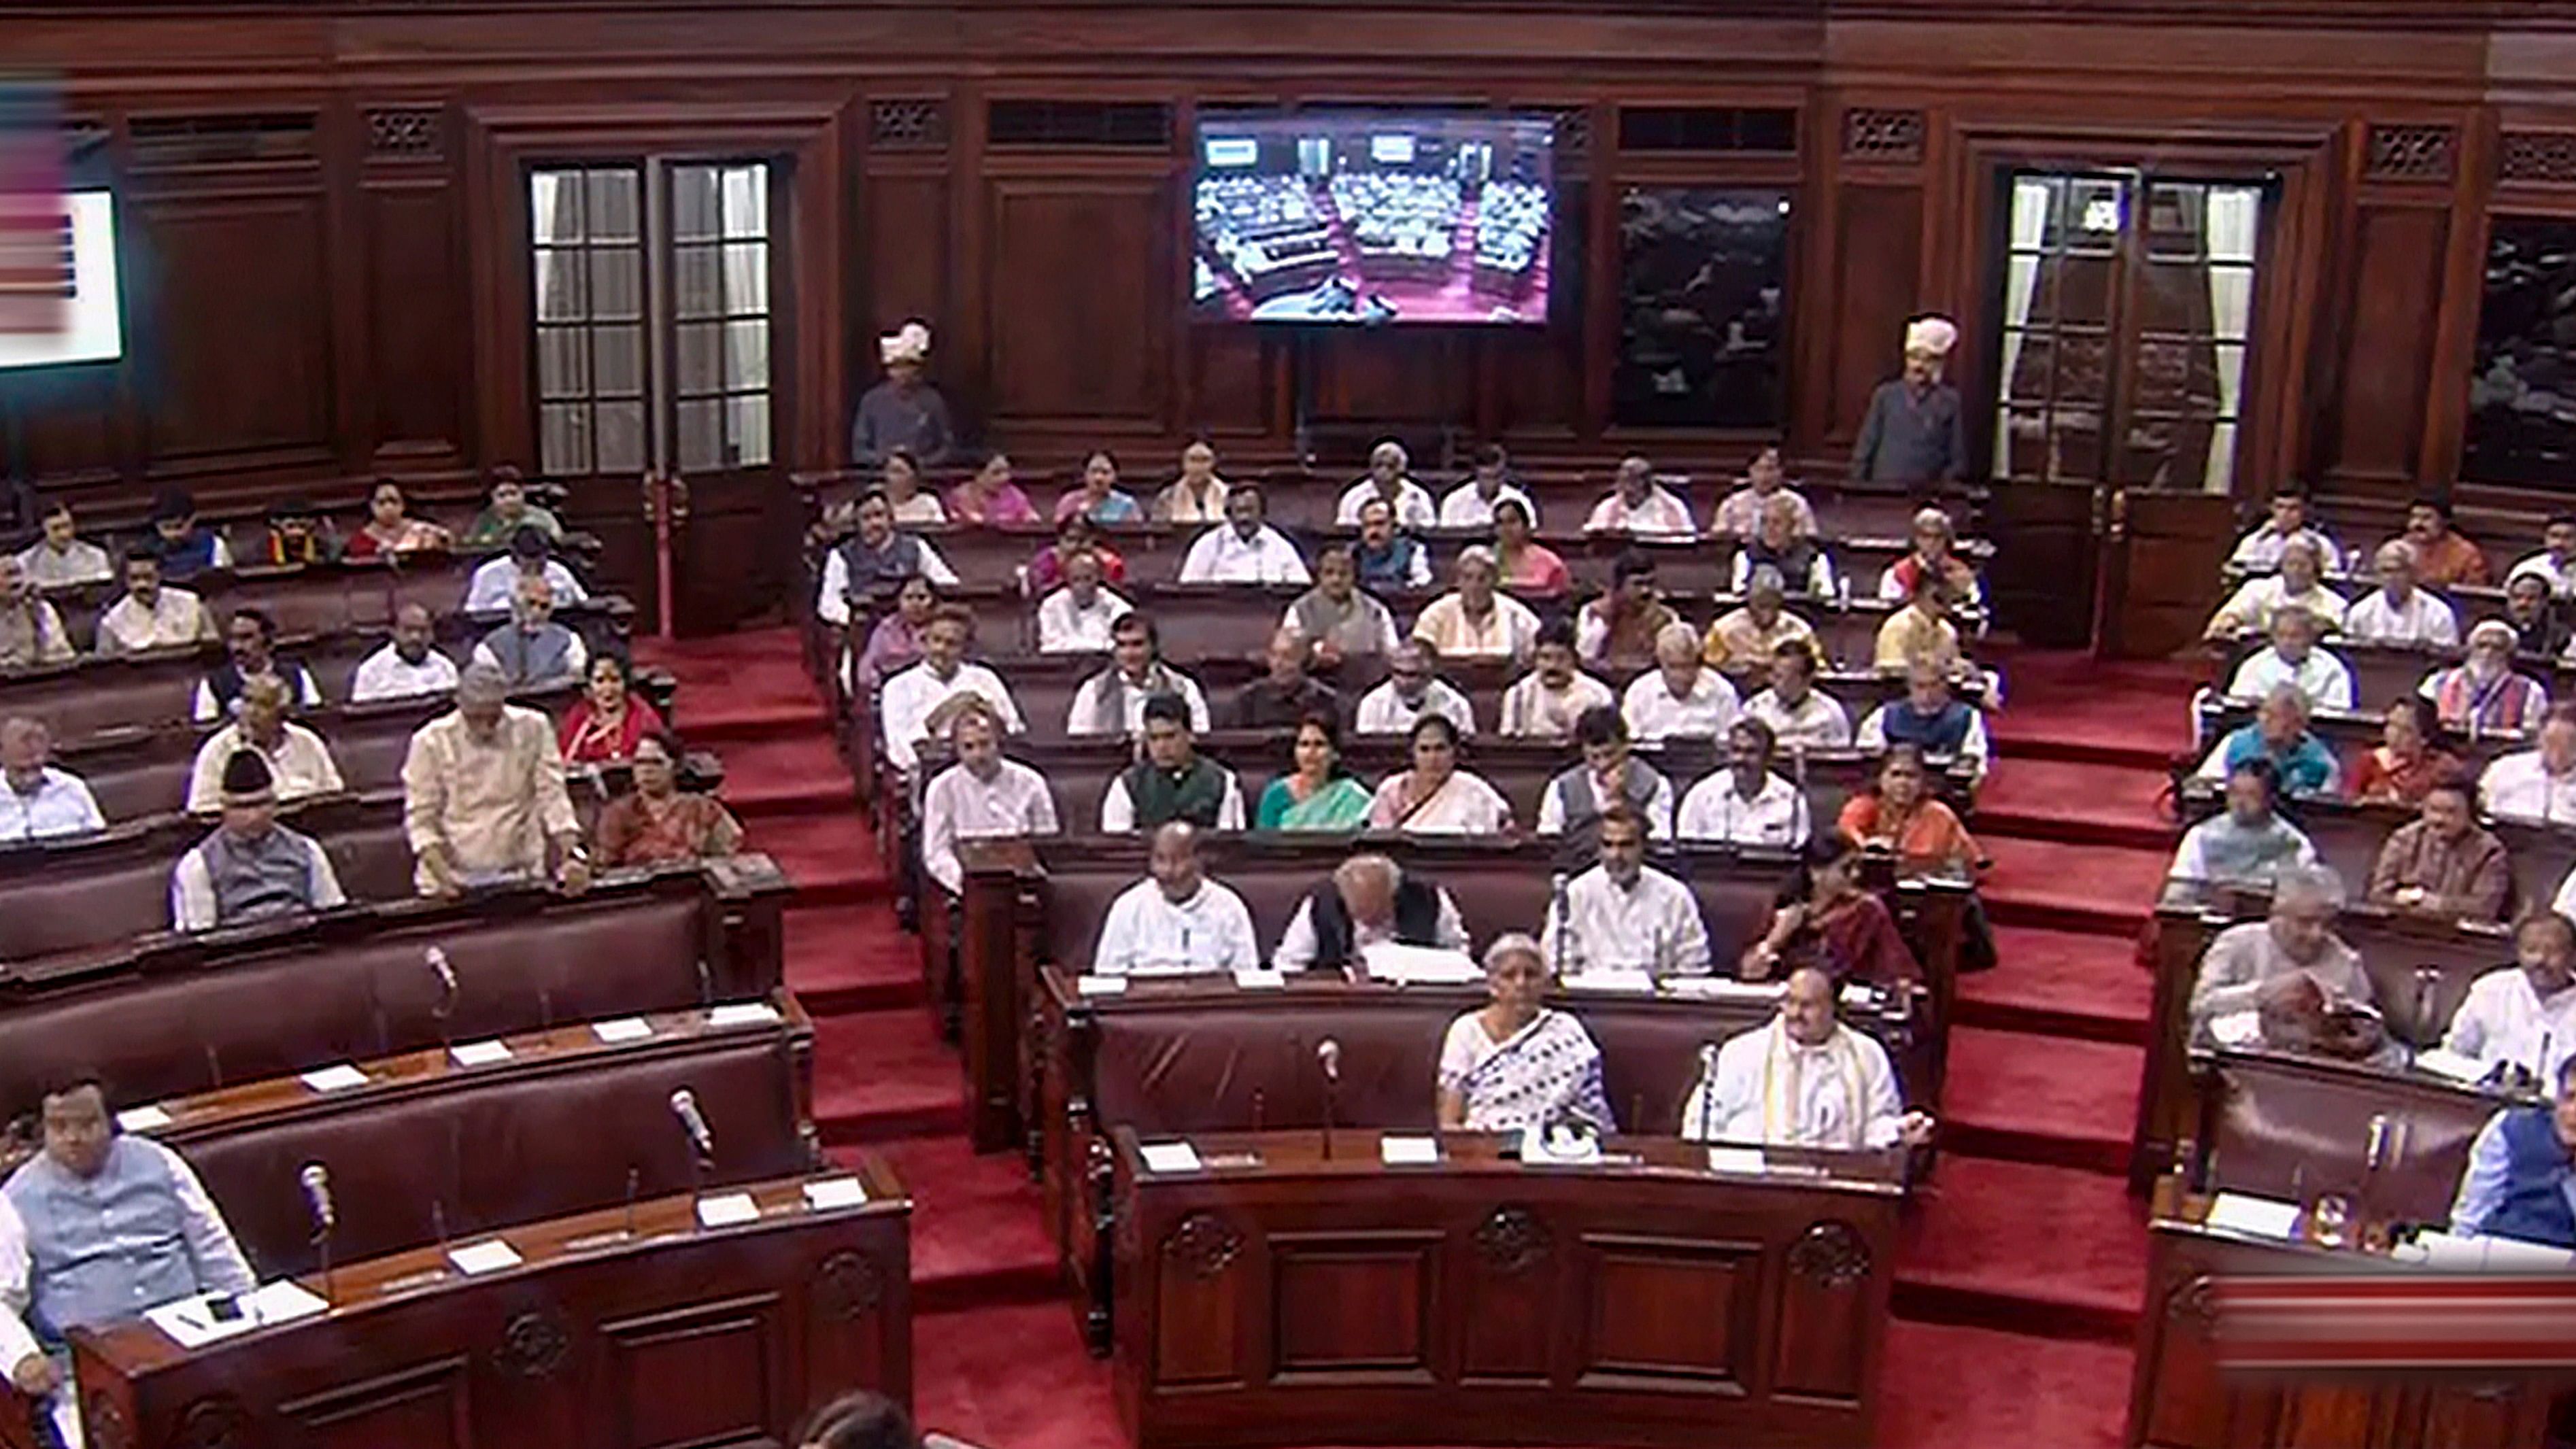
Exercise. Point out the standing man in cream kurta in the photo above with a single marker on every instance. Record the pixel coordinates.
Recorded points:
(483, 794)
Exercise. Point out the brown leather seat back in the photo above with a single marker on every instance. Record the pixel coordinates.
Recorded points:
(196, 1029)
(507, 1147)
(2290, 1128)
(2393, 950)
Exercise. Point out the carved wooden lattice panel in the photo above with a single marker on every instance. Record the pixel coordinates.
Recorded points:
(1881, 135)
(2412, 153)
(403, 133)
(2545, 157)
(915, 124)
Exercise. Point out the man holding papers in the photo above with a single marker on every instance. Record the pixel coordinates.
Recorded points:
(1806, 1080)
(1178, 921)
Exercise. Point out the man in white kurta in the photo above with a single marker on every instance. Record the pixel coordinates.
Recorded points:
(1410, 691)
(2243, 963)
(1245, 550)
(1800, 716)
(1625, 915)
(2250, 608)
(1388, 479)
(1641, 507)
(2524, 1013)
(981, 797)
(2555, 564)
(1176, 921)
(2293, 658)
(483, 794)
(297, 759)
(1681, 698)
(1472, 621)
(2397, 612)
(1805, 1080)
(1545, 703)
(2537, 785)
(1077, 618)
(2260, 551)
(918, 703)
(152, 615)
(22, 1361)
(1744, 803)
(407, 667)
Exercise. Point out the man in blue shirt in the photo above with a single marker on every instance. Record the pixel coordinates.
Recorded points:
(2521, 1181)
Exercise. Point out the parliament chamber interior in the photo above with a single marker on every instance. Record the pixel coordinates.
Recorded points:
(830, 724)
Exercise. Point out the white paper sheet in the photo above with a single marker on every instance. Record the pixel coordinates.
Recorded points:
(1100, 985)
(621, 1028)
(1409, 1151)
(1722, 988)
(1170, 1157)
(2259, 1217)
(191, 1323)
(835, 1192)
(478, 1053)
(1737, 1161)
(2457, 1066)
(1260, 980)
(727, 1210)
(334, 1079)
(142, 1119)
(1425, 965)
(742, 1013)
(1632, 981)
(489, 1256)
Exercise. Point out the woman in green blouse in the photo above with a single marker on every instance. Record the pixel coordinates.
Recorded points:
(1320, 795)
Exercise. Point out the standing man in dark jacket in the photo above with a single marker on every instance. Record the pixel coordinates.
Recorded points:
(1914, 432)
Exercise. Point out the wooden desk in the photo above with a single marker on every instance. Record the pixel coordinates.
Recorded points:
(673, 1334)
(1299, 1299)
(2183, 1397)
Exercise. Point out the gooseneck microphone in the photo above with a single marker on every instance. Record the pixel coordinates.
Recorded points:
(448, 992)
(684, 1105)
(1328, 1052)
(1707, 1094)
(317, 1197)
(1328, 1055)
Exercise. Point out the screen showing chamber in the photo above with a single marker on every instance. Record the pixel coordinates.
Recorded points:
(72, 283)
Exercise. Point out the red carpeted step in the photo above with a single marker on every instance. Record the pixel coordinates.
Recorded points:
(2103, 889)
(2032, 1249)
(2061, 800)
(884, 1075)
(831, 858)
(844, 959)
(978, 1239)
(1012, 1378)
(2060, 983)
(1944, 1387)
(2041, 1099)
(785, 775)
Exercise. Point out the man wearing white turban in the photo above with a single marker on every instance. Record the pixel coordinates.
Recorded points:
(902, 412)
(1912, 433)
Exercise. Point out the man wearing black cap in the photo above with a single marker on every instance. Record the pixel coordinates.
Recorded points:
(251, 866)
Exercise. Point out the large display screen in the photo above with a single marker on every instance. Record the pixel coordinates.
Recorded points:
(1372, 218)
(85, 325)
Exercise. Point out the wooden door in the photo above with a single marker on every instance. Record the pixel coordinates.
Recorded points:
(2047, 554)
(2161, 557)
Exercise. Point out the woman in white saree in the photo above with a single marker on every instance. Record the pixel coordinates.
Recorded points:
(1435, 797)
(1517, 1061)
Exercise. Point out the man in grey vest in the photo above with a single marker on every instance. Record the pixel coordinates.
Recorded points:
(251, 866)
(115, 1225)
(532, 651)
(1608, 776)
(1914, 432)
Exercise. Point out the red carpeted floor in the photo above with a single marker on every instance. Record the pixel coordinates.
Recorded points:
(2023, 1263)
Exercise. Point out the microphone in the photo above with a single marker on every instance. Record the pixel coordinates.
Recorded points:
(1556, 887)
(1707, 1093)
(706, 986)
(684, 1105)
(448, 991)
(317, 1195)
(1329, 1053)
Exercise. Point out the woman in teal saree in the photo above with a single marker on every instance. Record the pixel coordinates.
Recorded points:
(1319, 795)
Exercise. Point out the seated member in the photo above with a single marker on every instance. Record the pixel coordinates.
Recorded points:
(1919, 633)
(532, 651)
(1619, 628)
(894, 641)
(185, 550)
(2521, 1178)
(31, 629)
(1472, 621)
(1318, 795)
(983, 796)
(1411, 690)
(1340, 621)
(2443, 863)
(1173, 782)
(1100, 499)
(2555, 564)
(2249, 609)
(58, 559)
(1946, 729)
(1284, 695)
(251, 866)
(914, 506)
(2247, 845)
(1526, 566)
(1801, 562)
(988, 498)
(1079, 618)
(1935, 552)
(1198, 494)
(1435, 797)
(2484, 694)
(1828, 921)
(2293, 658)
(40, 802)
(1518, 1061)
(1077, 534)
(23, 1365)
(1112, 702)
(918, 703)
(1902, 815)
(1471, 504)
(2444, 556)
(298, 534)
(2279, 737)
(1623, 914)
(2260, 551)
(1641, 507)
(484, 798)
(1368, 901)
(152, 615)
(1743, 640)
(2298, 937)
(1743, 802)
(609, 720)
(1389, 481)
(509, 512)
(495, 581)
(299, 763)
(1245, 550)
(2536, 784)
(1609, 776)
(2537, 629)
(1806, 1080)
(250, 649)
(1388, 561)
(1680, 698)
(657, 822)
(2397, 612)
(1176, 921)
(2525, 1013)
(115, 1224)
(390, 530)
(2409, 758)
(1799, 717)
(1740, 513)
(406, 667)
(1544, 703)
(875, 557)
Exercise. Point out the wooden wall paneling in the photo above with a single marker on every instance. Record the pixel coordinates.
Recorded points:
(2463, 289)
(412, 289)
(1601, 272)
(1078, 288)
(970, 276)
(1877, 256)
(2399, 256)
(901, 221)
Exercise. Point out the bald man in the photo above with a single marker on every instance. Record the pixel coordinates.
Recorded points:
(407, 667)
(483, 794)
(1805, 1080)
(37, 800)
(1176, 921)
